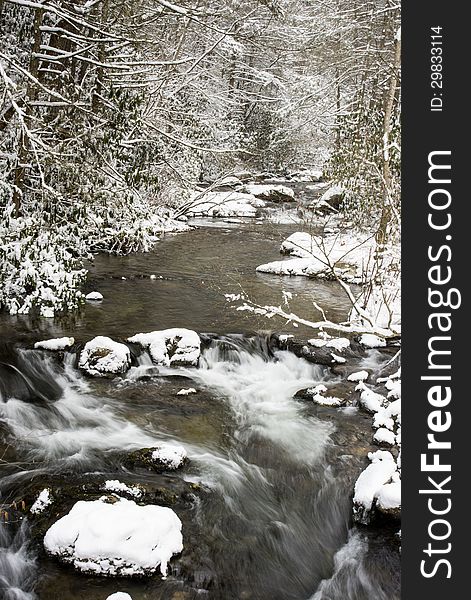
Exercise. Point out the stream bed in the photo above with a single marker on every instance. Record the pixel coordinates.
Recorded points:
(265, 499)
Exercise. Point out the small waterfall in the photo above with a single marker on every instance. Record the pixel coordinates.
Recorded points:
(259, 390)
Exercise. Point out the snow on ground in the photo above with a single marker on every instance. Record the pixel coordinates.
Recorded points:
(102, 356)
(42, 502)
(114, 485)
(170, 347)
(350, 256)
(116, 539)
(348, 252)
(171, 457)
(55, 344)
(224, 204)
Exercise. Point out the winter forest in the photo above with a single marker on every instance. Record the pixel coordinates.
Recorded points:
(200, 311)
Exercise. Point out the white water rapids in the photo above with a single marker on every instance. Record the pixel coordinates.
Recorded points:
(277, 511)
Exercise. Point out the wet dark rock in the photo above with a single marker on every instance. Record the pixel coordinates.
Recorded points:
(144, 459)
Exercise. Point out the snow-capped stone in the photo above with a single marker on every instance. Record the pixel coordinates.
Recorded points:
(358, 376)
(224, 204)
(370, 482)
(384, 436)
(318, 397)
(171, 347)
(337, 359)
(102, 357)
(370, 340)
(272, 193)
(164, 457)
(94, 296)
(114, 485)
(121, 539)
(172, 457)
(119, 596)
(186, 392)
(55, 344)
(369, 400)
(42, 502)
(338, 344)
(389, 499)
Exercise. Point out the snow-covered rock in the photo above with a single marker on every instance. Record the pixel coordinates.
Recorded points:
(224, 204)
(333, 197)
(55, 344)
(230, 181)
(186, 392)
(384, 436)
(300, 244)
(306, 175)
(338, 344)
(94, 296)
(318, 395)
(165, 457)
(271, 193)
(42, 502)
(114, 485)
(119, 596)
(171, 347)
(370, 482)
(369, 340)
(358, 376)
(389, 499)
(369, 400)
(102, 357)
(121, 539)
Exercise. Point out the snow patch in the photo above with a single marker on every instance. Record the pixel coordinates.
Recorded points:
(42, 502)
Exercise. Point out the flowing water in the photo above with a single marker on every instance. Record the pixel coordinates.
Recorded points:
(271, 477)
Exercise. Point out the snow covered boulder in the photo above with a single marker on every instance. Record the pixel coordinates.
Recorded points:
(333, 197)
(119, 596)
(103, 357)
(231, 182)
(300, 244)
(271, 193)
(164, 457)
(370, 340)
(370, 482)
(306, 175)
(224, 204)
(55, 344)
(120, 539)
(94, 297)
(388, 500)
(171, 347)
